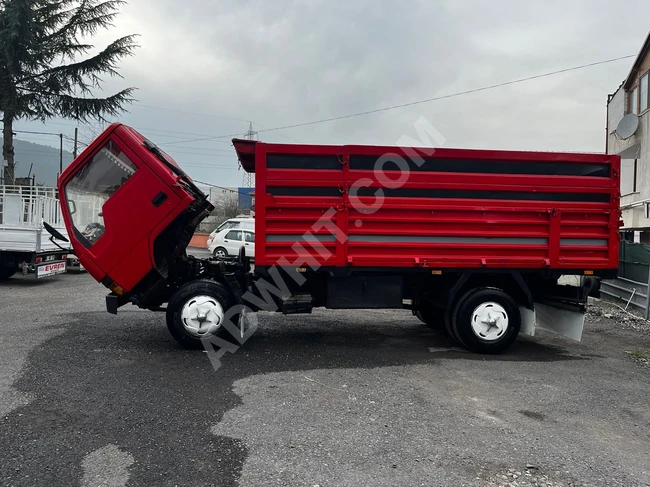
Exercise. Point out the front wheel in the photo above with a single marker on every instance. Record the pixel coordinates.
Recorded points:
(486, 320)
(198, 310)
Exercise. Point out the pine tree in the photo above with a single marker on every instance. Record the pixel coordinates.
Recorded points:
(45, 69)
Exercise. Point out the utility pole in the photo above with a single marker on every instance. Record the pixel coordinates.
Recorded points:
(61, 154)
(76, 134)
(249, 178)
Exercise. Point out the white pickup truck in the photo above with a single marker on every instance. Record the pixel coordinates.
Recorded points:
(25, 244)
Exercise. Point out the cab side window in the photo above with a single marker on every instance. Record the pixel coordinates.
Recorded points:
(249, 237)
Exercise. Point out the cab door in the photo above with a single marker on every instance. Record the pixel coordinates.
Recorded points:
(115, 202)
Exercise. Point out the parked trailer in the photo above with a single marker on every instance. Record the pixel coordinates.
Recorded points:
(24, 245)
(471, 241)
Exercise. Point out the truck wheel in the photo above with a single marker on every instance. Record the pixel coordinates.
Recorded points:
(6, 272)
(220, 253)
(197, 311)
(431, 316)
(486, 320)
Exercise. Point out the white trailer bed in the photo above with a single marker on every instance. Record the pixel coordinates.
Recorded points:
(23, 238)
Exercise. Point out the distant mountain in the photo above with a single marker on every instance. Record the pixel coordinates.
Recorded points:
(45, 159)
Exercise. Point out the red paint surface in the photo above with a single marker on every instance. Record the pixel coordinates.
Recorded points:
(430, 216)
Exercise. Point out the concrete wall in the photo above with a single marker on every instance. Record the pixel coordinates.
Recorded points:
(199, 240)
(634, 218)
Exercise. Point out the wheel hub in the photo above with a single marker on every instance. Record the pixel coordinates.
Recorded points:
(489, 321)
(202, 316)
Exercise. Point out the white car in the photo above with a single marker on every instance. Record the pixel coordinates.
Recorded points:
(243, 223)
(227, 242)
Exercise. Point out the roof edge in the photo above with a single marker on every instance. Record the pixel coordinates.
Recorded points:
(637, 61)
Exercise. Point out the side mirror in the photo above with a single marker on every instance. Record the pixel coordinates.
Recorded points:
(73, 207)
(54, 232)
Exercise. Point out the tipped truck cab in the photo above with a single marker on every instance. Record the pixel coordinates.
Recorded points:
(130, 212)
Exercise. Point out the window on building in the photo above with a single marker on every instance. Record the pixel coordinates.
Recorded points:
(644, 92)
(628, 176)
(634, 101)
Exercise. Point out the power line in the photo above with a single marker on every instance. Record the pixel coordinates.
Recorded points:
(453, 95)
(205, 166)
(221, 187)
(352, 115)
(426, 100)
(36, 133)
(279, 133)
(190, 153)
(224, 151)
(240, 134)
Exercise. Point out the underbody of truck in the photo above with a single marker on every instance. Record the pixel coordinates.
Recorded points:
(478, 243)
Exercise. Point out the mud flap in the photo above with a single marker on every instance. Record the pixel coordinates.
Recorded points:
(247, 324)
(527, 321)
(565, 322)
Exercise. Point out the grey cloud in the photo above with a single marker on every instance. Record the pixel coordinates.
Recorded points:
(285, 62)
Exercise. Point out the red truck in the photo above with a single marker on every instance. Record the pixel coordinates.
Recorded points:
(473, 241)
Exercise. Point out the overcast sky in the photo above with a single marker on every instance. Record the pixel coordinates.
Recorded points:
(276, 63)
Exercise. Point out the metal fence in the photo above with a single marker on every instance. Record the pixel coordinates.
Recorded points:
(633, 282)
(29, 206)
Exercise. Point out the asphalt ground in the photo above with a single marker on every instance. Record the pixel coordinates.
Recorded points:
(336, 398)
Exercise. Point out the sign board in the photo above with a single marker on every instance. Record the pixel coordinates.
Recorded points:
(47, 270)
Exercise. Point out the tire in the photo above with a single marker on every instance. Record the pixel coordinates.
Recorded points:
(431, 316)
(212, 299)
(222, 251)
(449, 327)
(468, 320)
(6, 272)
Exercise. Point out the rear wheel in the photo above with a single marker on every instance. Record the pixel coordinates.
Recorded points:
(7, 271)
(430, 315)
(198, 311)
(486, 320)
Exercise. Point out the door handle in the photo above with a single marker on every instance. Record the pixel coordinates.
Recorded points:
(159, 199)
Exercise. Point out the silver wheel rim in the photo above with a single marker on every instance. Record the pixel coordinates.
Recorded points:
(202, 316)
(489, 321)
(219, 253)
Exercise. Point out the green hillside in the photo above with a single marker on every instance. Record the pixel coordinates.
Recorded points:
(45, 159)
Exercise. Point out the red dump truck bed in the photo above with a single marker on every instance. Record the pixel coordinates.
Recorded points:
(387, 207)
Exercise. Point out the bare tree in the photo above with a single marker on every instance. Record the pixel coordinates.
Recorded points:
(227, 206)
(90, 131)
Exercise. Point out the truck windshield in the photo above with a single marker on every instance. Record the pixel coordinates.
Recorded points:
(92, 186)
